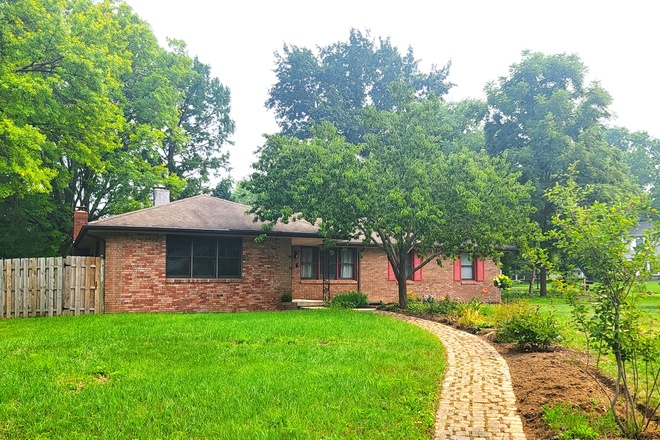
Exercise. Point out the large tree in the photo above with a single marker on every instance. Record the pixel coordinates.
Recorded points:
(405, 195)
(107, 114)
(543, 117)
(642, 154)
(336, 82)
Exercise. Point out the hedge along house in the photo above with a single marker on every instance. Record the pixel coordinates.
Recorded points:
(199, 254)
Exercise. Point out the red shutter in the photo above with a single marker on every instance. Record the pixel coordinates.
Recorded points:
(457, 269)
(390, 272)
(480, 270)
(417, 276)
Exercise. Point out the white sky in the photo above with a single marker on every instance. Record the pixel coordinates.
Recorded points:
(617, 40)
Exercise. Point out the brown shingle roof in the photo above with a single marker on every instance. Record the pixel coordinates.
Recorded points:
(199, 213)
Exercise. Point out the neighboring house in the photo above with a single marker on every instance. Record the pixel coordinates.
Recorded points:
(200, 254)
(637, 235)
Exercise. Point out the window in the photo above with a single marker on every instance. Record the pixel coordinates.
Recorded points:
(466, 270)
(341, 263)
(412, 259)
(467, 267)
(203, 257)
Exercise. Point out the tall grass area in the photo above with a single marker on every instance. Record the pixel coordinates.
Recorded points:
(301, 375)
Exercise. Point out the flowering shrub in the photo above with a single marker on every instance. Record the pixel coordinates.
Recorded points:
(503, 282)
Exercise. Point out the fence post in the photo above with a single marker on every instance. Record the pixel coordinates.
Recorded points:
(32, 286)
(59, 285)
(8, 269)
(2, 289)
(102, 285)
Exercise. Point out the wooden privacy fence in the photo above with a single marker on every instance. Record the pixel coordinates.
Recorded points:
(51, 286)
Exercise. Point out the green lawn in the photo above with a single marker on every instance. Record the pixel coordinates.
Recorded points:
(289, 375)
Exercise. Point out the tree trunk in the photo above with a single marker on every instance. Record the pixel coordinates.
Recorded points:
(531, 282)
(544, 281)
(403, 292)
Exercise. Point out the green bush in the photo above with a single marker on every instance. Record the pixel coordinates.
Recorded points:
(530, 329)
(504, 312)
(503, 282)
(287, 297)
(473, 320)
(349, 300)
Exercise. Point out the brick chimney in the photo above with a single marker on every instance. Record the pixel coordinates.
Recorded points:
(80, 219)
(161, 196)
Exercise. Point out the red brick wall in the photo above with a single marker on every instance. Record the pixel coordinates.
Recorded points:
(135, 278)
(436, 281)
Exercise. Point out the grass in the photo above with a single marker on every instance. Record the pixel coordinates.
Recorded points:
(576, 423)
(309, 374)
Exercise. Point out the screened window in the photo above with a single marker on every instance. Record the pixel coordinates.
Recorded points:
(467, 267)
(341, 263)
(203, 257)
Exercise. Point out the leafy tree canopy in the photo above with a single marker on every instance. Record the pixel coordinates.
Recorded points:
(642, 154)
(337, 81)
(405, 194)
(93, 112)
(543, 118)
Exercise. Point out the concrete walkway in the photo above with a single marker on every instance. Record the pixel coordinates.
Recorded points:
(477, 400)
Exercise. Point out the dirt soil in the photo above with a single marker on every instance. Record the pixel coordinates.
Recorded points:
(549, 378)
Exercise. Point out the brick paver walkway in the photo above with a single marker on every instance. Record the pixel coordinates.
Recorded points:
(477, 400)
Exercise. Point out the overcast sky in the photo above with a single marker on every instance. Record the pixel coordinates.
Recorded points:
(617, 40)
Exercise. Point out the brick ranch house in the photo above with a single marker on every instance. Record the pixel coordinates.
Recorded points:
(199, 254)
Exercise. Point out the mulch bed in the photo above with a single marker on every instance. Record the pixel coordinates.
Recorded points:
(548, 378)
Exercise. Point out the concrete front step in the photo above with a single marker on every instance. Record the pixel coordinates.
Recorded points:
(308, 302)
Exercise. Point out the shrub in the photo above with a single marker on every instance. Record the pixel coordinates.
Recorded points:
(472, 319)
(287, 297)
(503, 312)
(530, 329)
(349, 300)
(503, 282)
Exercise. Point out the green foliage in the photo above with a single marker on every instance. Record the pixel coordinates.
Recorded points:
(543, 118)
(503, 312)
(598, 237)
(405, 194)
(242, 195)
(574, 424)
(473, 320)
(642, 154)
(532, 329)
(335, 84)
(349, 300)
(287, 297)
(94, 113)
(309, 374)
(503, 282)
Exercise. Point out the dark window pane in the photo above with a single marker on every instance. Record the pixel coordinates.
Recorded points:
(203, 267)
(409, 264)
(204, 247)
(177, 263)
(230, 254)
(331, 257)
(178, 267)
(178, 246)
(229, 267)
